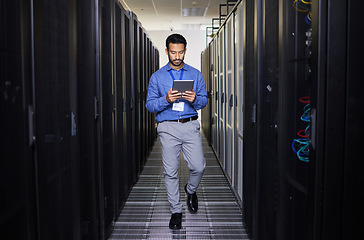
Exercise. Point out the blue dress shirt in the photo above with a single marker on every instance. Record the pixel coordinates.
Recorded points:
(160, 83)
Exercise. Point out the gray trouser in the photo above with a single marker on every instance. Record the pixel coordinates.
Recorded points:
(174, 137)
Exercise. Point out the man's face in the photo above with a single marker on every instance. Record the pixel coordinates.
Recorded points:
(176, 54)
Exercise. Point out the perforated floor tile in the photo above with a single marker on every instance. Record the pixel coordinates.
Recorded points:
(146, 214)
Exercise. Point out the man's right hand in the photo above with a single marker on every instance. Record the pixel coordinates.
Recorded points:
(173, 95)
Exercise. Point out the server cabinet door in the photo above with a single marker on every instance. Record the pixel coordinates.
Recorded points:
(120, 186)
(230, 98)
(147, 77)
(337, 121)
(129, 124)
(214, 102)
(222, 97)
(88, 119)
(268, 99)
(206, 112)
(294, 117)
(18, 208)
(107, 115)
(250, 127)
(146, 81)
(143, 117)
(354, 131)
(136, 84)
(239, 90)
(56, 113)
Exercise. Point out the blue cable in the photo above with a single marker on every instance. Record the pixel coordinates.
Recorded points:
(307, 20)
(304, 151)
(306, 114)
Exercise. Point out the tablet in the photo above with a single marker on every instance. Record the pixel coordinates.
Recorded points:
(183, 85)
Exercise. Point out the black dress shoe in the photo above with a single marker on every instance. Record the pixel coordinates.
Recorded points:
(176, 221)
(192, 201)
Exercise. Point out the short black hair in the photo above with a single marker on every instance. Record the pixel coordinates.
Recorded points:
(175, 38)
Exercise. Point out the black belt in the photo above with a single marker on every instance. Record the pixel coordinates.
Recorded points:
(184, 120)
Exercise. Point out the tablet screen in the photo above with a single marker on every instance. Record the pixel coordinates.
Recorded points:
(183, 85)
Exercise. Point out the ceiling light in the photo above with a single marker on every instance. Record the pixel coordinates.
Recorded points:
(193, 12)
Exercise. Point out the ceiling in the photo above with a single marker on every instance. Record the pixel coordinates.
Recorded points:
(175, 14)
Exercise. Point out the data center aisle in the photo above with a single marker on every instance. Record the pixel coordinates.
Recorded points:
(146, 213)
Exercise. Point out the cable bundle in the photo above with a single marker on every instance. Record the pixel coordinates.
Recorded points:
(304, 7)
(300, 145)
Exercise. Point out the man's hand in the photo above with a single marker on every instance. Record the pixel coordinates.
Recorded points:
(189, 96)
(172, 95)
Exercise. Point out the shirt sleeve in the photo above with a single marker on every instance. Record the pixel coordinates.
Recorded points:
(156, 101)
(201, 94)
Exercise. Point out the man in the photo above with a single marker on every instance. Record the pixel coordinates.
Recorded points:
(178, 128)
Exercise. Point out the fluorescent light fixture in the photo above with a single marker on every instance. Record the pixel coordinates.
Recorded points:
(193, 12)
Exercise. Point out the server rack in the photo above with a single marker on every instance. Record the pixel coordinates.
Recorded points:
(152, 128)
(56, 130)
(250, 117)
(240, 103)
(107, 84)
(215, 97)
(137, 94)
(252, 114)
(132, 98)
(118, 90)
(336, 134)
(129, 101)
(89, 120)
(220, 74)
(268, 102)
(293, 168)
(142, 92)
(18, 208)
(68, 84)
(294, 104)
(230, 99)
(146, 79)
(222, 97)
(206, 112)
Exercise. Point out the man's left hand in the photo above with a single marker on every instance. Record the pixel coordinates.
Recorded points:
(189, 96)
